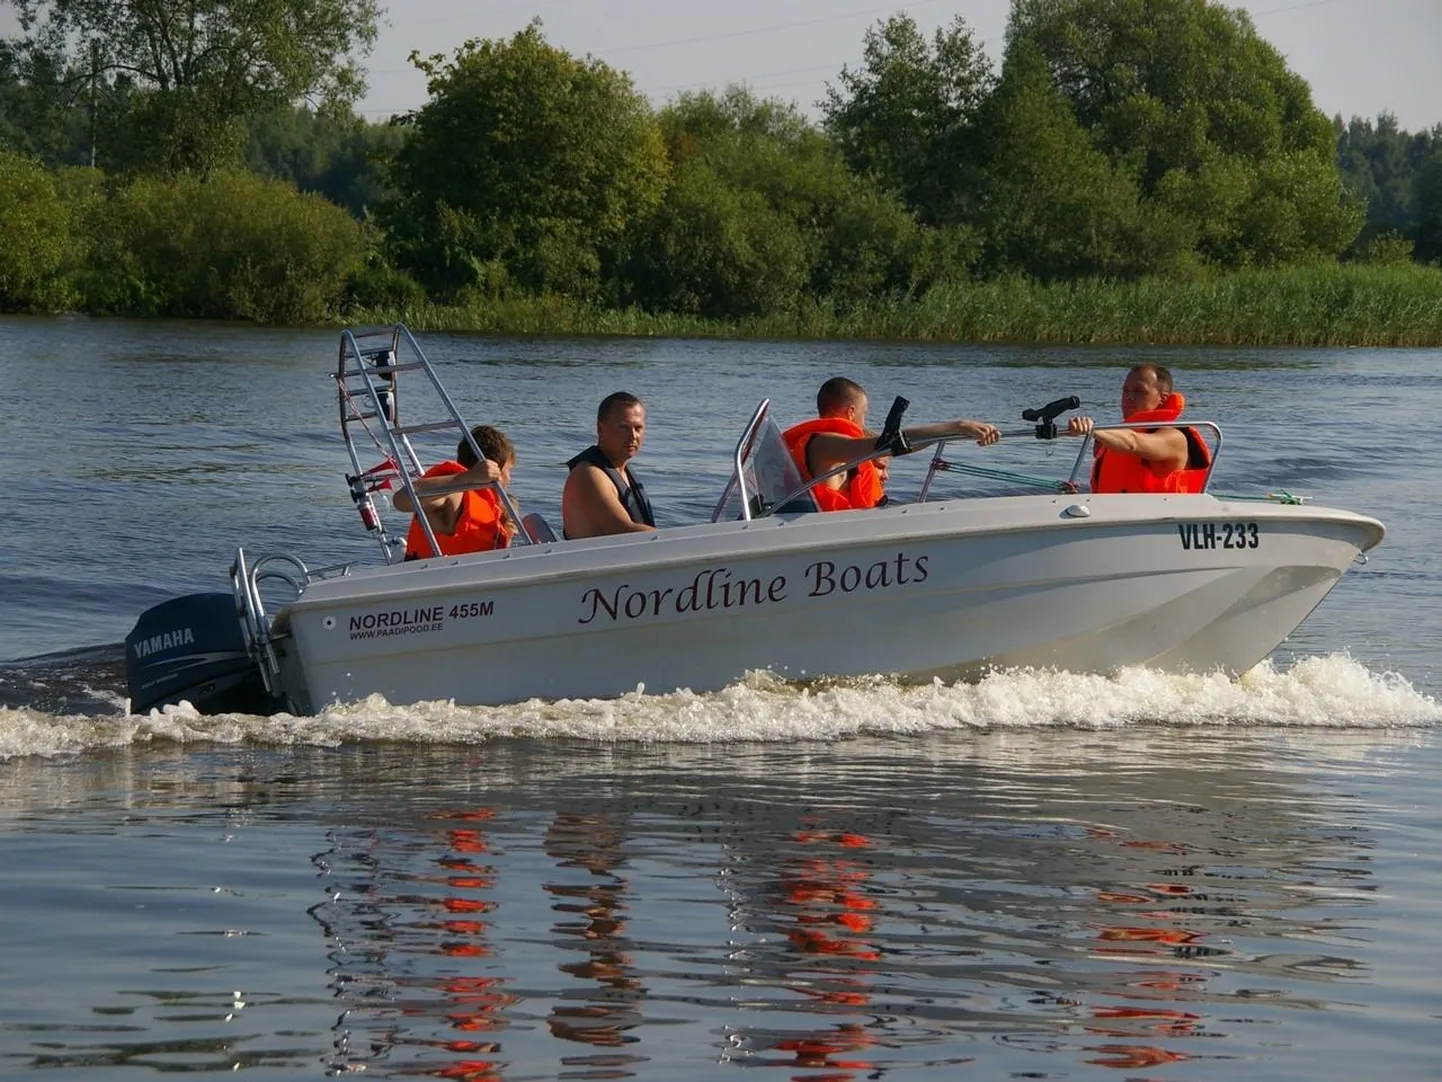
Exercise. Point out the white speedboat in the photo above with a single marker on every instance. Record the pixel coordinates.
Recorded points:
(933, 589)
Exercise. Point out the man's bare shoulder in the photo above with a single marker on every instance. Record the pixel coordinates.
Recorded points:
(585, 475)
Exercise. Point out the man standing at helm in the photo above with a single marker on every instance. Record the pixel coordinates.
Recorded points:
(1164, 459)
(602, 496)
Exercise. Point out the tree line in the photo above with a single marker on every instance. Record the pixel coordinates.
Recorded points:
(1398, 177)
(195, 157)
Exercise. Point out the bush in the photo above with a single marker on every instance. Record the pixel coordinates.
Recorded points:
(233, 246)
(1387, 249)
(718, 251)
(526, 157)
(378, 287)
(35, 237)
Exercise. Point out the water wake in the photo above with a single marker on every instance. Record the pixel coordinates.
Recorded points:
(1332, 691)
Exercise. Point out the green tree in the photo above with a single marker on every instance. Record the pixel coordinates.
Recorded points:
(1054, 205)
(39, 114)
(764, 214)
(1377, 165)
(338, 156)
(905, 116)
(713, 249)
(1206, 118)
(1428, 234)
(526, 166)
(1383, 165)
(181, 78)
(34, 235)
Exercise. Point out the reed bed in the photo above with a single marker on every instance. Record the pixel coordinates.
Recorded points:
(1323, 305)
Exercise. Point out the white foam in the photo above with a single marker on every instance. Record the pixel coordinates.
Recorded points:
(1333, 691)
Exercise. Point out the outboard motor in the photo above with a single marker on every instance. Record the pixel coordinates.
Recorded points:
(191, 648)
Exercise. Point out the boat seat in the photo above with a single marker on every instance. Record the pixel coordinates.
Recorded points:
(537, 528)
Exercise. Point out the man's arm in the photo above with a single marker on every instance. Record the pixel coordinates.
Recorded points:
(1165, 448)
(827, 450)
(980, 431)
(589, 497)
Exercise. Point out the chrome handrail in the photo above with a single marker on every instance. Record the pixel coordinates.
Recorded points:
(1074, 478)
(511, 511)
(931, 471)
(744, 446)
(250, 607)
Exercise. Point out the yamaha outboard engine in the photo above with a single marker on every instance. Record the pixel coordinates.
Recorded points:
(191, 648)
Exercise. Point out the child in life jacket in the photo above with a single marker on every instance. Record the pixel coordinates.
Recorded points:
(471, 521)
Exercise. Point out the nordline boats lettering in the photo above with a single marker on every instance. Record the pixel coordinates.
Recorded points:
(716, 588)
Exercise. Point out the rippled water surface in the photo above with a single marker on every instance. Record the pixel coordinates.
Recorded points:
(1041, 875)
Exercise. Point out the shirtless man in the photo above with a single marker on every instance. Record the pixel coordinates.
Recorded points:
(602, 495)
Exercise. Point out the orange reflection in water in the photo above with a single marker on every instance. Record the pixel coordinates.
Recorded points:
(476, 1002)
(1127, 938)
(1163, 1020)
(823, 1050)
(827, 913)
(1132, 1056)
(593, 913)
(826, 893)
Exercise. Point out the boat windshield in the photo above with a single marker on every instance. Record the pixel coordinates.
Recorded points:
(767, 472)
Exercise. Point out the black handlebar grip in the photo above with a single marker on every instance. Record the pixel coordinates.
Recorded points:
(1051, 410)
(891, 435)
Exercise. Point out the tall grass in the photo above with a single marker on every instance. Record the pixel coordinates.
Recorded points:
(1322, 305)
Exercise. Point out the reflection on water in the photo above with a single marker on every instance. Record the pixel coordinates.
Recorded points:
(407, 925)
(1025, 905)
(824, 959)
(591, 902)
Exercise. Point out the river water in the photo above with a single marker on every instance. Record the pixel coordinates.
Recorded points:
(1042, 875)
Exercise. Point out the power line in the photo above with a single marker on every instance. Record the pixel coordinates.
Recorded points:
(526, 5)
(825, 67)
(750, 79)
(703, 38)
(766, 29)
(698, 39)
(1292, 7)
(730, 34)
(747, 79)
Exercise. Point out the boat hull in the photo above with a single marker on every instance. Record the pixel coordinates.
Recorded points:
(937, 590)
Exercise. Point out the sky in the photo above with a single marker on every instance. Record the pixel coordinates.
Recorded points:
(1361, 57)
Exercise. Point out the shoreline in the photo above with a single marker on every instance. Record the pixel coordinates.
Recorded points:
(1398, 306)
(1316, 306)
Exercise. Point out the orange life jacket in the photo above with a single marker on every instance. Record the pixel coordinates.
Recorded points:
(480, 527)
(863, 485)
(1121, 471)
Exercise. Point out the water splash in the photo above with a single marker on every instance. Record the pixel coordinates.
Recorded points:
(1332, 691)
